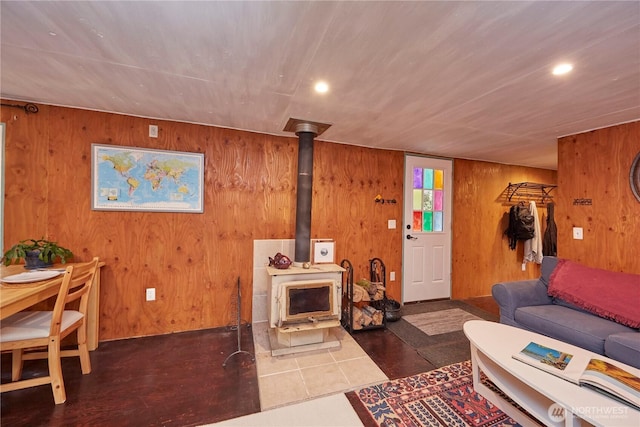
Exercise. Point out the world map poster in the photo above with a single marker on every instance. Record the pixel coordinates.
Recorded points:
(137, 179)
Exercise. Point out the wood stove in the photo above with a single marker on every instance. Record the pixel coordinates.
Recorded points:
(304, 305)
(304, 301)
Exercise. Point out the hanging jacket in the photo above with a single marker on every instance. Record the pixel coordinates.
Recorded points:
(550, 239)
(533, 246)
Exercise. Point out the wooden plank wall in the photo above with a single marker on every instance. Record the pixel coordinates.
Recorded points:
(26, 175)
(595, 165)
(347, 180)
(481, 254)
(194, 260)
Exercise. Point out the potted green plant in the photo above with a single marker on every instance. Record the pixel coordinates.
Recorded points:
(38, 253)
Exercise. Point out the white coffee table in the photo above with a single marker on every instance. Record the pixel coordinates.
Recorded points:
(543, 395)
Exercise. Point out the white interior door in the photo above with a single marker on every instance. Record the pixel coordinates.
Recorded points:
(426, 255)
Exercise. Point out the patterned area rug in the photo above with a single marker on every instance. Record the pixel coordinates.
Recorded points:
(440, 398)
(440, 322)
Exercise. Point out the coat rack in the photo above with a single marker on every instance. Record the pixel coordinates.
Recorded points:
(527, 191)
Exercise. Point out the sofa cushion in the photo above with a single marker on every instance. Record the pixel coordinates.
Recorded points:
(565, 324)
(549, 264)
(608, 294)
(625, 347)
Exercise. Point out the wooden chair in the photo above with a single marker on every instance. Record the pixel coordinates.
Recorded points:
(27, 332)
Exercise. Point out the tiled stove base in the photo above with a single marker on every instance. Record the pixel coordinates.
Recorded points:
(303, 339)
(297, 377)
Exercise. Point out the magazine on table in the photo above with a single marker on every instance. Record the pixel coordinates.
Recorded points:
(596, 374)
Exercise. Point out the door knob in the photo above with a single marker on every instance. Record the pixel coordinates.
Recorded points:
(410, 237)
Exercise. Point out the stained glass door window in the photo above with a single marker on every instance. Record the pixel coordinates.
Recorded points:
(428, 200)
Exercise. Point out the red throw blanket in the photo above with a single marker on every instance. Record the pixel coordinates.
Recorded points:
(608, 294)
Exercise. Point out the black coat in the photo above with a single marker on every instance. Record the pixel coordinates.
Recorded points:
(550, 238)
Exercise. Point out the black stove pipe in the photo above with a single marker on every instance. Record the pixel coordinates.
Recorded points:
(306, 134)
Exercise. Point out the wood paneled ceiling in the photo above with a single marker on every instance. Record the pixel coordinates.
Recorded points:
(458, 79)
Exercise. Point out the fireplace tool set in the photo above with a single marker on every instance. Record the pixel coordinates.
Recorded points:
(238, 326)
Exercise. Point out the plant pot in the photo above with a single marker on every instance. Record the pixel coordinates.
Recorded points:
(32, 262)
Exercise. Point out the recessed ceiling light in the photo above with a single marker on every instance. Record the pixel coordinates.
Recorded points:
(561, 69)
(322, 87)
(52, 33)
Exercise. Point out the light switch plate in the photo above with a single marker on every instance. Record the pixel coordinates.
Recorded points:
(391, 224)
(577, 233)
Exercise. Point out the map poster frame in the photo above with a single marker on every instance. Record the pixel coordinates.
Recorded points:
(118, 189)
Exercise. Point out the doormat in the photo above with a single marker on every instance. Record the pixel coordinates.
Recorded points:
(442, 349)
(440, 322)
(442, 397)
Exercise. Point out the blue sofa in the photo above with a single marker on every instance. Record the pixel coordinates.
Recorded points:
(526, 304)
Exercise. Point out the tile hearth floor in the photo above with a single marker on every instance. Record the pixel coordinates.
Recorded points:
(287, 379)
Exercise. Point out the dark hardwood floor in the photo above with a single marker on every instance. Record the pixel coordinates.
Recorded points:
(174, 380)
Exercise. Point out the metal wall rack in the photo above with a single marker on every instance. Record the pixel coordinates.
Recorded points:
(526, 191)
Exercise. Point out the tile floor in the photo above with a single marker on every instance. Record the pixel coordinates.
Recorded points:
(312, 413)
(287, 379)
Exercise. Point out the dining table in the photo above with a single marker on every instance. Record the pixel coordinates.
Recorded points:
(21, 293)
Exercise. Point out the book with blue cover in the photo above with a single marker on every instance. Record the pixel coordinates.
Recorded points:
(547, 356)
(611, 379)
